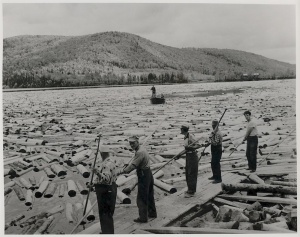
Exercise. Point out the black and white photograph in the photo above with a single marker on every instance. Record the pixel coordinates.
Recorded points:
(149, 117)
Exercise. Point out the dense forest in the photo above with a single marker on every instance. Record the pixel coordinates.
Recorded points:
(122, 58)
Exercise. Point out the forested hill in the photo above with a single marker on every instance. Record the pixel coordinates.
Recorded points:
(114, 57)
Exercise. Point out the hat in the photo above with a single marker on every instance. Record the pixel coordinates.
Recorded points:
(185, 126)
(215, 122)
(104, 148)
(133, 139)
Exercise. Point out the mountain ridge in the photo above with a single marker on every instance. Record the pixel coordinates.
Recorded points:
(123, 55)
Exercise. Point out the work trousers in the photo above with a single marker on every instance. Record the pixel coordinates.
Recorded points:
(145, 196)
(191, 171)
(251, 152)
(106, 197)
(216, 155)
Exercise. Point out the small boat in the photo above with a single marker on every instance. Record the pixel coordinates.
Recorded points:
(157, 100)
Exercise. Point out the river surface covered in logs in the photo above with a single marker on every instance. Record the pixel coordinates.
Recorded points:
(54, 132)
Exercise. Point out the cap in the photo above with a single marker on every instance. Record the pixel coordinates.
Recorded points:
(133, 139)
(185, 126)
(215, 122)
(104, 148)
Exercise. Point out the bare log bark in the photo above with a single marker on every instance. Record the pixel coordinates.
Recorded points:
(259, 188)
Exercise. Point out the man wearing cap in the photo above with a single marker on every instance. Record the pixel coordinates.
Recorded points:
(191, 167)
(106, 189)
(216, 152)
(145, 196)
(252, 142)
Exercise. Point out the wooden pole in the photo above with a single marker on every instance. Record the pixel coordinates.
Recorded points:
(92, 177)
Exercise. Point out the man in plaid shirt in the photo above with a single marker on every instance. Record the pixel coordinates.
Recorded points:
(216, 152)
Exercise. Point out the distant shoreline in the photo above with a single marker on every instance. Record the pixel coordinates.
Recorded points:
(131, 85)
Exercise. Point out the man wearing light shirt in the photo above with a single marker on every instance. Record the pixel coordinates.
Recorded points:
(106, 189)
(145, 196)
(252, 142)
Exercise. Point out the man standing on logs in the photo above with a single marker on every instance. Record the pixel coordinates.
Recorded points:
(153, 92)
(145, 196)
(216, 152)
(106, 190)
(191, 167)
(252, 142)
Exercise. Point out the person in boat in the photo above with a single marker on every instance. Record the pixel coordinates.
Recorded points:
(145, 196)
(252, 142)
(216, 152)
(191, 167)
(106, 189)
(153, 91)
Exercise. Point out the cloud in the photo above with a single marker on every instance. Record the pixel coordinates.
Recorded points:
(248, 27)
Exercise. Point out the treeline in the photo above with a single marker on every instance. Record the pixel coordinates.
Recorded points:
(31, 80)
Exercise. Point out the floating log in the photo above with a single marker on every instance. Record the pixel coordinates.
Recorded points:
(19, 192)
(10, 172)
(82, 170)
(58, 170)
(273, 162)
(61, 191)
(44, 226)
(260, 199)
(40, 181)
(71, 188)
(29, 199)
(50, 190)
(259, 188)
(49, 173)
(282, 183)
(7, 190)
(253, 177)
(123, 198)
(35, 227)
(54, 153)
(123, 179)
(128, 189)
(54, 210)
(14, 220)
(164, 186)
(231, 203)
(90, 216)
(25, 183)
(9, 184)
(69, 212)
(32, 182)
(160, 158)
(42, 188)
(82, 187)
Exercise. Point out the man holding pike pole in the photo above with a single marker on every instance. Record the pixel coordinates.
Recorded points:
(216, 152)
(106, 189)
(252, 142)
(191, 167)
(145, 196)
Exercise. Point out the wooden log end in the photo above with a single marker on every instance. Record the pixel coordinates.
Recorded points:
(72, 193)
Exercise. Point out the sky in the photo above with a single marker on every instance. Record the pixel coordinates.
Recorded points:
(265, 29)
